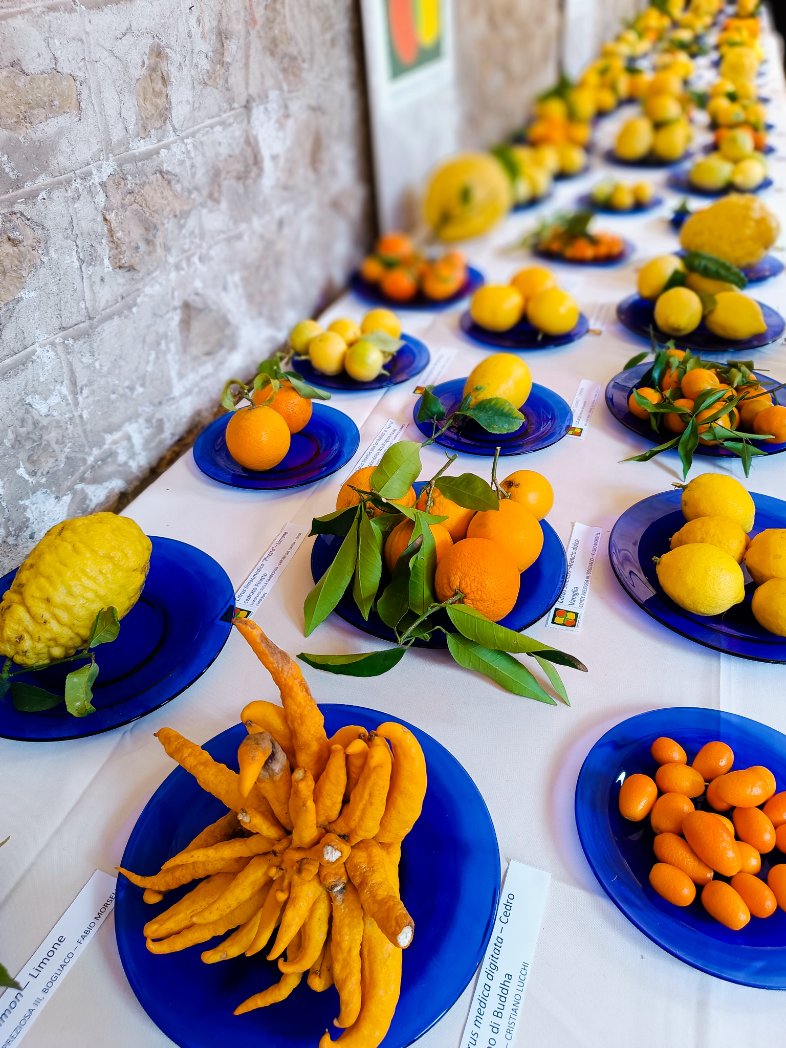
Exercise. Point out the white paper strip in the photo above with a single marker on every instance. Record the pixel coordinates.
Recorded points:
(495, 1012)
(570, 609)
(389, 434)
(55, 957)
(583, 405)
(269, 568)
(436, 368)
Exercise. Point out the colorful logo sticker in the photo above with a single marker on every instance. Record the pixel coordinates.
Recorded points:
(563, 617)
(575, 431)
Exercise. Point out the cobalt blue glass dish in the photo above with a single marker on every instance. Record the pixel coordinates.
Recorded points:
(373, 296)
(637, 314)
(643, 532)
(620, 388)
(546, 420)
(409, 361)
(327, 443)
(586, 203)
(620, 852)
(679, 181)
(192, 1002)
(168, 639)
(647, 161)
(522, 336)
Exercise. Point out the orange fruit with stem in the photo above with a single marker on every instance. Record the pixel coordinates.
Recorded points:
(295, 410)
(401, 536)
(512, 527)
(674, 421)
(697, 380)
(484, 574)
(399, 284)
(257, 437)
(755, 401)
(772, 420)
(530, 489)
(361, 479)
(394, 247)
(457, 517)
(654, 396)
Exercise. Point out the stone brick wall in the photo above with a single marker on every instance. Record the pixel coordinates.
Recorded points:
(180, 180)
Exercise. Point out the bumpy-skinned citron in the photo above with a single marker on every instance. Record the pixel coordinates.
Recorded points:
(466, 196)
(78, 567)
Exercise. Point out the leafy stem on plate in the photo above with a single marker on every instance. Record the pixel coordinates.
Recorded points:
(494, 414)
(78, 688)
(405, 599)
(272, 374)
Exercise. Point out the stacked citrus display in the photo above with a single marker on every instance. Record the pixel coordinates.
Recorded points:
(735, 165)
(698, 849)
(401, 272)
(662, 133)
(360, 350)
(612, 195)
(532, 294)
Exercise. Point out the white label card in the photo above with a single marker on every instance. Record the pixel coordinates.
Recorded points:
(583, 405)
(269, 568)
(55, 957)
(436, 368)
(495, 1012)
(389, 434)
(582, 550)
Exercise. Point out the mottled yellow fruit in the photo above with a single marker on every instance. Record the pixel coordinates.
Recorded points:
(707, 285)
(655, 274)
(500, 375)
(302, 333)
(737, 144)
(622, 197)
(769, 606)
(671, 140)
(748, 174)
(739, 228)
(79, 567)
(701, 578)
(572, 158)
(635, 139)
(348, 329)
(678, 311)
(766, 556)
(711, 172)
(662, 108)
(723, 532)
(466, 196)
(326, 353)
(735, 316)
(718, 495)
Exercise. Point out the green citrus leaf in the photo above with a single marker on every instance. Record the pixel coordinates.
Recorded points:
(635, 361)
(368, 570)
(399, 469)
(105, 628)
(422, 568)
(677, 279)
(469, 491)
(430, 407)
(304, 389)
(365, 664)
(495, 415)
(474, 626)
(714, 268)
(6, 980)
(393, 604)
(554, 678)
(336, 523)
(687, 444)
(499, 666)
(29, 699)
(331, 587)
(79, 690)
(382, 340)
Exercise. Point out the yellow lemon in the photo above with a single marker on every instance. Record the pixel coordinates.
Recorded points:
(769, 606)
(635, 138)
(553, 311)
(718, 495)
(712, 172)
(348, 329)
(363, 360)
(671, 140)
(748, 174)
(701, 578)
(735, 316)
(381, 320)
(533, 279)
(737, 144)
(655, 274)
(766, 556)
(643, 192)
(678, 311)
(723, 532)
(500, 375)
(302, 333)
(497, 307)
(662, 108)
(327, 352)
(622, 197)
(466, 196)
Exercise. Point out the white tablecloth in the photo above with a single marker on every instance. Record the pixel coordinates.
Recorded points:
(596, 981)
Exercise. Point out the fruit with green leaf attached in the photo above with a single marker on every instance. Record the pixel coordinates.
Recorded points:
(655, 274)
(503, 375)
(364, 360)
(739, 228)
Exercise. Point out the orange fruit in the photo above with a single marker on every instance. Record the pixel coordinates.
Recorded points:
(713, 759)
(727, 421)
(776, 879)
(675, 422)
(747, 788)
(530, 489)
(713, 799)
(483, 572)
(457, 517)
(729, 825)
(257, 437)
(441, 280)
(750, 859)
(757, 896)
(654, 396)
(674, 885)
(697, 380)
(723, 903)
(679, 778)
(712, 842)
(372, 269)
(295, 410)
(399, 538)
(772, 420)
(667, 813)
(752, 826)
(395, 246)
(775, 809)
(512, 527)
(753, 402)
(780, 838)
(670, 379)
(667, 751)
(671, 848)
(399, 284)
(637, 796)
(361, 478)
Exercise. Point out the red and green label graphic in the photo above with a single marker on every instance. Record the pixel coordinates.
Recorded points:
(414, 34)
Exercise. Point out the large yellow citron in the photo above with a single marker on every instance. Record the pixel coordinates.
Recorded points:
(466, 196)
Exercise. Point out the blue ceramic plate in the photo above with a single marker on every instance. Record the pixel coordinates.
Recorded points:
(529, 204)
(327, 443)
(643, 532)
(768, 267)
(620, 852)
(621, 387)
(540, 587)
(371, 294)
(546, 420)
(711, 148)
(168, 639)
(637, 314)
(522, 336)
(192, 1002)
(586, 203)
(409, 361)
(627, 250)
(679, 181)
(611, 157)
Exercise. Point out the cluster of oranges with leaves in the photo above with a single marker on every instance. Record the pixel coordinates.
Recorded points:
(569, 237)
(401, 272)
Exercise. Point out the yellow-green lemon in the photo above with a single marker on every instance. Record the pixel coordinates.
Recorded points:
(500, 375)
(718, 495)
(769, 606)
(678, 311)
(735, 316)
(701, 578)
(655, 274)
(723, 532)
(79, 567)
(766, 556)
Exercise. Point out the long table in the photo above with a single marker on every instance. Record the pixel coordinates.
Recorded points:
(596, 980)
